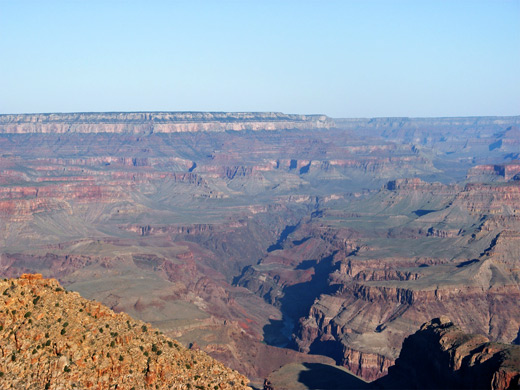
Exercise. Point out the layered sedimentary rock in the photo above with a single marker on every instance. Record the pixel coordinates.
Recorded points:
(454, 250)
(235, 240)
(52, 338)
(157, 122)
(441, 356)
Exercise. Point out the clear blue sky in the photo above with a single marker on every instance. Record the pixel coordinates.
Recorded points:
(362, 58)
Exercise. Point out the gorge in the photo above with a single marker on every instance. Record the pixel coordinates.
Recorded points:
(267, 239)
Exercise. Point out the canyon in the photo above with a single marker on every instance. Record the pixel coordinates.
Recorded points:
(268, 240)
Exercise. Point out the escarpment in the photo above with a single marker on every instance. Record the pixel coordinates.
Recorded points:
(268, 239)
(157, 122)
(441, 356)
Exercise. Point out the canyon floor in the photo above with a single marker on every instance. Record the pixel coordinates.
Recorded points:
(271, 240)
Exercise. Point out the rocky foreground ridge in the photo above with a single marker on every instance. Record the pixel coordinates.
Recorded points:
(441, 356)
(157, 122)
(54, 339)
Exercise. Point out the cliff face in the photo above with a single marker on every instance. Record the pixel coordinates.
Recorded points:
(441, 356)
(157, 122)
(179, 223)
(53, 339)
(387, 262)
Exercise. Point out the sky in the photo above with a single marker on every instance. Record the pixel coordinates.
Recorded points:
(345, 58)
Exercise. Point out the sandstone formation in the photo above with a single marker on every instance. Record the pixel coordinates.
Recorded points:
(438, 356)
(54, 339)
(441, 356)
(362, 302)
(157, 122)
(267, 239)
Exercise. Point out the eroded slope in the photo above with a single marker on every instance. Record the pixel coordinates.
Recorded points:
(52, 338)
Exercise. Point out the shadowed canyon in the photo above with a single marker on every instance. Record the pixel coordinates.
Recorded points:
(269, 240)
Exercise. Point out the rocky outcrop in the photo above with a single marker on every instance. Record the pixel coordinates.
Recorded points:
(157, 122)
(53, 339)
(490, 172)
(441, 356)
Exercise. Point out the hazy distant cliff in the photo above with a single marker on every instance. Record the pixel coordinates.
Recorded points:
(157, 122)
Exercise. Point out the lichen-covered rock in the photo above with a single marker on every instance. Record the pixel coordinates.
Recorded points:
(54, 339)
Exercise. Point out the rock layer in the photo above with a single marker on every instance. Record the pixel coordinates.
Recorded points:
(157, 122)
(441, 356)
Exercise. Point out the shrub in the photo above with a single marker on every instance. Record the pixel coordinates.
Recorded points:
(27, 315)
(144, 328)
